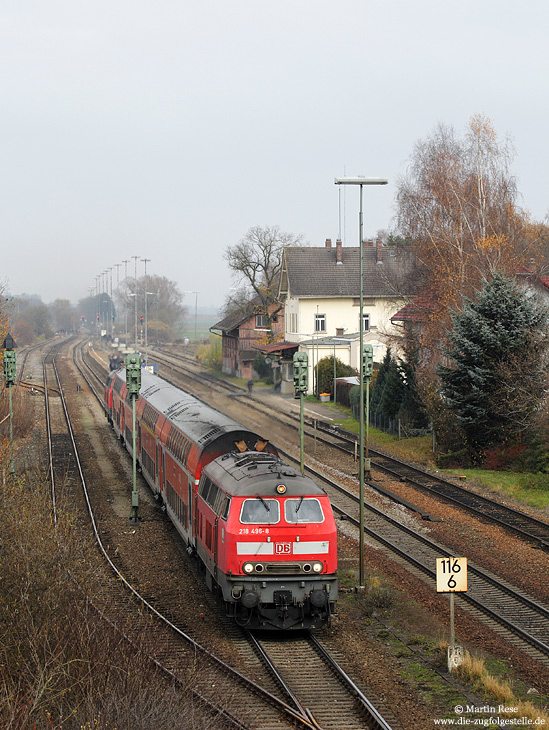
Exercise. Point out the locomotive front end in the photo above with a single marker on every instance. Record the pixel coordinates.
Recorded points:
(278, 565)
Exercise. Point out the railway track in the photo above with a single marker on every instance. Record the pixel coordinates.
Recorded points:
(508, 611)
(294, 704)
(328, 679)
(530, 529)
(169, 649)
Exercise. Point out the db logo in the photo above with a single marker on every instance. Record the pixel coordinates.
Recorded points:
(283, 548)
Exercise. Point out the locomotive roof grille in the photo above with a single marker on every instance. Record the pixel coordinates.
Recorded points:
(254, 474)
(253, 460)
(208, 435)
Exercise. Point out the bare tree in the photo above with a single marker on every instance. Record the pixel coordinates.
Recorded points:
(164, 303)
(257, 259)
(64, 315)
(236, 301)
(458, 207)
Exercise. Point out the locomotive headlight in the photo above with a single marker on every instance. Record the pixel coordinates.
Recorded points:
(317, 567)
(248, 568)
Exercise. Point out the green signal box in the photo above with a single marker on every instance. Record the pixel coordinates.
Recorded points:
(9, 367)
(133, 374)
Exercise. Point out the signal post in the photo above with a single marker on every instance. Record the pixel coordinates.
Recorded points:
(133, 383)
(10, 376)
(452, 578)
(301, 383)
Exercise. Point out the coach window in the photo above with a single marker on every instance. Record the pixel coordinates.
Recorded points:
(303, 510)
(260, 512)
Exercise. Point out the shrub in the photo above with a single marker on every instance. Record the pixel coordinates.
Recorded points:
(263, 369)
(325, 372)
(63, 666)
(211, 355)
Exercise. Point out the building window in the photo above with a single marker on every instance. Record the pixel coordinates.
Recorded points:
(292, 322)
(320, 323)
(261, 321)
(366, 322)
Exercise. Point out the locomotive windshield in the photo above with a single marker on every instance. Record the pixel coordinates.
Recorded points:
(260, 512)
(303, 510)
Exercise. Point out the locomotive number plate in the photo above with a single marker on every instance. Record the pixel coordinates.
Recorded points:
(283, 548)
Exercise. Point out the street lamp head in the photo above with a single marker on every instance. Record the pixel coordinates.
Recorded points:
(360, 180)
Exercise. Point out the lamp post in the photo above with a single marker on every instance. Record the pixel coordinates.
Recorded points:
(135, 300)
(126, 262)
(111, 314)
(361, 181)
(195, 309)
(97, 306)
(118, 298)
(336, 340)
(145, 261)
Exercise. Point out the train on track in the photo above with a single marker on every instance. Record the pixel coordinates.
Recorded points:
(264, 533)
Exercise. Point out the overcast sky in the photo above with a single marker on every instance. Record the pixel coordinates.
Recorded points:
(167, 129)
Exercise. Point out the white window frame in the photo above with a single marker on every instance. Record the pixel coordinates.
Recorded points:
(320, 319)
(366, 321)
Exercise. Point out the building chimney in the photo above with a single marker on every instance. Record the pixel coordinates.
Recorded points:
(328, 243)
(339, 251)
(379, 253)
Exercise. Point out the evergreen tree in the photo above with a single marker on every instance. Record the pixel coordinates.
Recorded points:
(377, 390)
(393, 391)
(412, 411)
(489, 343)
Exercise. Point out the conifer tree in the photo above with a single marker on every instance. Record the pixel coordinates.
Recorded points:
(491, 339)
(411, 412)
(393, 391)
(377, 390)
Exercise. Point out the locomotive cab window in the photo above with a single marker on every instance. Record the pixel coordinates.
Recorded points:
(215, 497)
(260, 512)
(303, 510)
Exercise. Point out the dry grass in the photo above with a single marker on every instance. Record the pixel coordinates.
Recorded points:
(22, 413)
(473, 671)
(61, 665)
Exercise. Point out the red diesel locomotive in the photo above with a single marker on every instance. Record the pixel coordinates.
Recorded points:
(264, 533)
